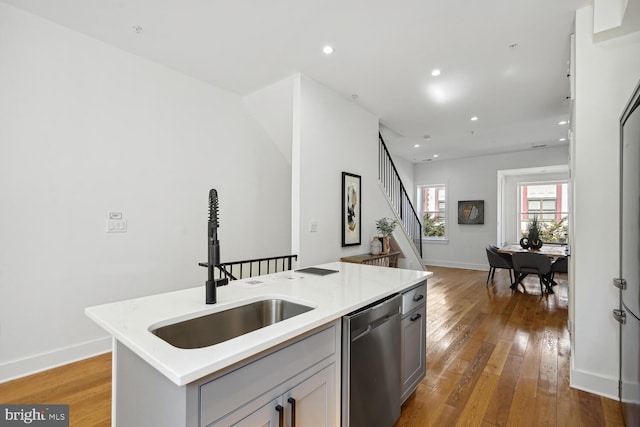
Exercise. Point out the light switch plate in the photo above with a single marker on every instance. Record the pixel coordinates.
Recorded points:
(116, 226)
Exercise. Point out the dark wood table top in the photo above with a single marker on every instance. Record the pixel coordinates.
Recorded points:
(552, 251)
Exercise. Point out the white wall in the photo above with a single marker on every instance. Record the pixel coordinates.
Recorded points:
(334, 135)
(272, 106)
(474, 179)
(86, 129)
(606, 74)
(328, 134)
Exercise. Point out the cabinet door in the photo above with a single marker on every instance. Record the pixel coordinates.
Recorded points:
(247, 416)
(413, 365)
(313, 401)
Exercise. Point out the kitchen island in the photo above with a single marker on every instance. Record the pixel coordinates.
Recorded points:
(156, 383)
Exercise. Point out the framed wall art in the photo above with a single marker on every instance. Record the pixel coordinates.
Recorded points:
(351, 209)
(471, 212)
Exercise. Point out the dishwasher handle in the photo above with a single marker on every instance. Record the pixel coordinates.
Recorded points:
(362, 334)
(380, 311)
(373, 325)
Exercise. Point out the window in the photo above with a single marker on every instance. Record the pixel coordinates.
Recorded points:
(432, 202)
(549, 203)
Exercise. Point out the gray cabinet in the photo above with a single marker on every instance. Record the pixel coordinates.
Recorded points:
(315, 400)
(265, 416)
(303, 369)
(413, 339)
(311, 402)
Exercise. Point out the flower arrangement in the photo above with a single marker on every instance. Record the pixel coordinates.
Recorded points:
(533, 240)
(386, 226)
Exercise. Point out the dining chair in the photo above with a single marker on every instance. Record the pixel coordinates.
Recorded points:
(525, 263)
(498, 260)
(561, 265)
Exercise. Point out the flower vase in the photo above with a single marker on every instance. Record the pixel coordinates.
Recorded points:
(535, 244)
(376, 246)
(386, 245)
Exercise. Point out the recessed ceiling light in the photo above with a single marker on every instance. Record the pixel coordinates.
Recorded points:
(435, 72)
(563, 139)
(513, 46)
(327, 50)
(562, 122)
(137, 29)
(417, 145)
(435, 155)
(474, 118)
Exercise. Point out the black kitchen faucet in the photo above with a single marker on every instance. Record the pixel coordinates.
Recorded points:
(213, 249)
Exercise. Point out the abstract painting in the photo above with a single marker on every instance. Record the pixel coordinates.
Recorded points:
(471, 212)
(351, 209)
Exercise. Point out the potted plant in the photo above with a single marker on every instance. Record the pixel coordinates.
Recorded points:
(533, 239)
(385, 228)
(534, 233)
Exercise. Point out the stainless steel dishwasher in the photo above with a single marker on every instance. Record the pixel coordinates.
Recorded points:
(371, 364)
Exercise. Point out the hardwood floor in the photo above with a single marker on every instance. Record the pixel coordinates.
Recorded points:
(493, 359)
(85, 386)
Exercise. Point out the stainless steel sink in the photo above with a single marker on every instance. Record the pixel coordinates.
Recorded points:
(217, 327)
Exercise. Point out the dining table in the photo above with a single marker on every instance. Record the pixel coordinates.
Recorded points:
(551, 251)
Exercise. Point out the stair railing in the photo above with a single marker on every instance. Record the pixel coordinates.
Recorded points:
(235, 270)
(398, 196)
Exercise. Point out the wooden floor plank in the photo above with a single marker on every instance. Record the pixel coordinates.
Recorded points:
(497, 412)
(473, 412)
(498, 357)
(591, 413)
(85, 386)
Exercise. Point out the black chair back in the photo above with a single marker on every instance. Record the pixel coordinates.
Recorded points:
(532, 263)
(529, 262)
(496, 259)
(560, 266)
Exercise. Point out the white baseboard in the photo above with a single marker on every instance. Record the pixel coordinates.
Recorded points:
(62, 356)
(453, 264)
(591, 383)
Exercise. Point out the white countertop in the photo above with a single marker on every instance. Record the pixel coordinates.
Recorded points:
(333, 296)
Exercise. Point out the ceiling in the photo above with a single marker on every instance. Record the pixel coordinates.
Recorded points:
(503, 61)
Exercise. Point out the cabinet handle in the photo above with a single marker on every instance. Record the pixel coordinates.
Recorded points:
(415, 317)
(293, 411)
(418, 297)
(280, 410)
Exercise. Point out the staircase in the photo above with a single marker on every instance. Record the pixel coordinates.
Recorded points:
(398, 197)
